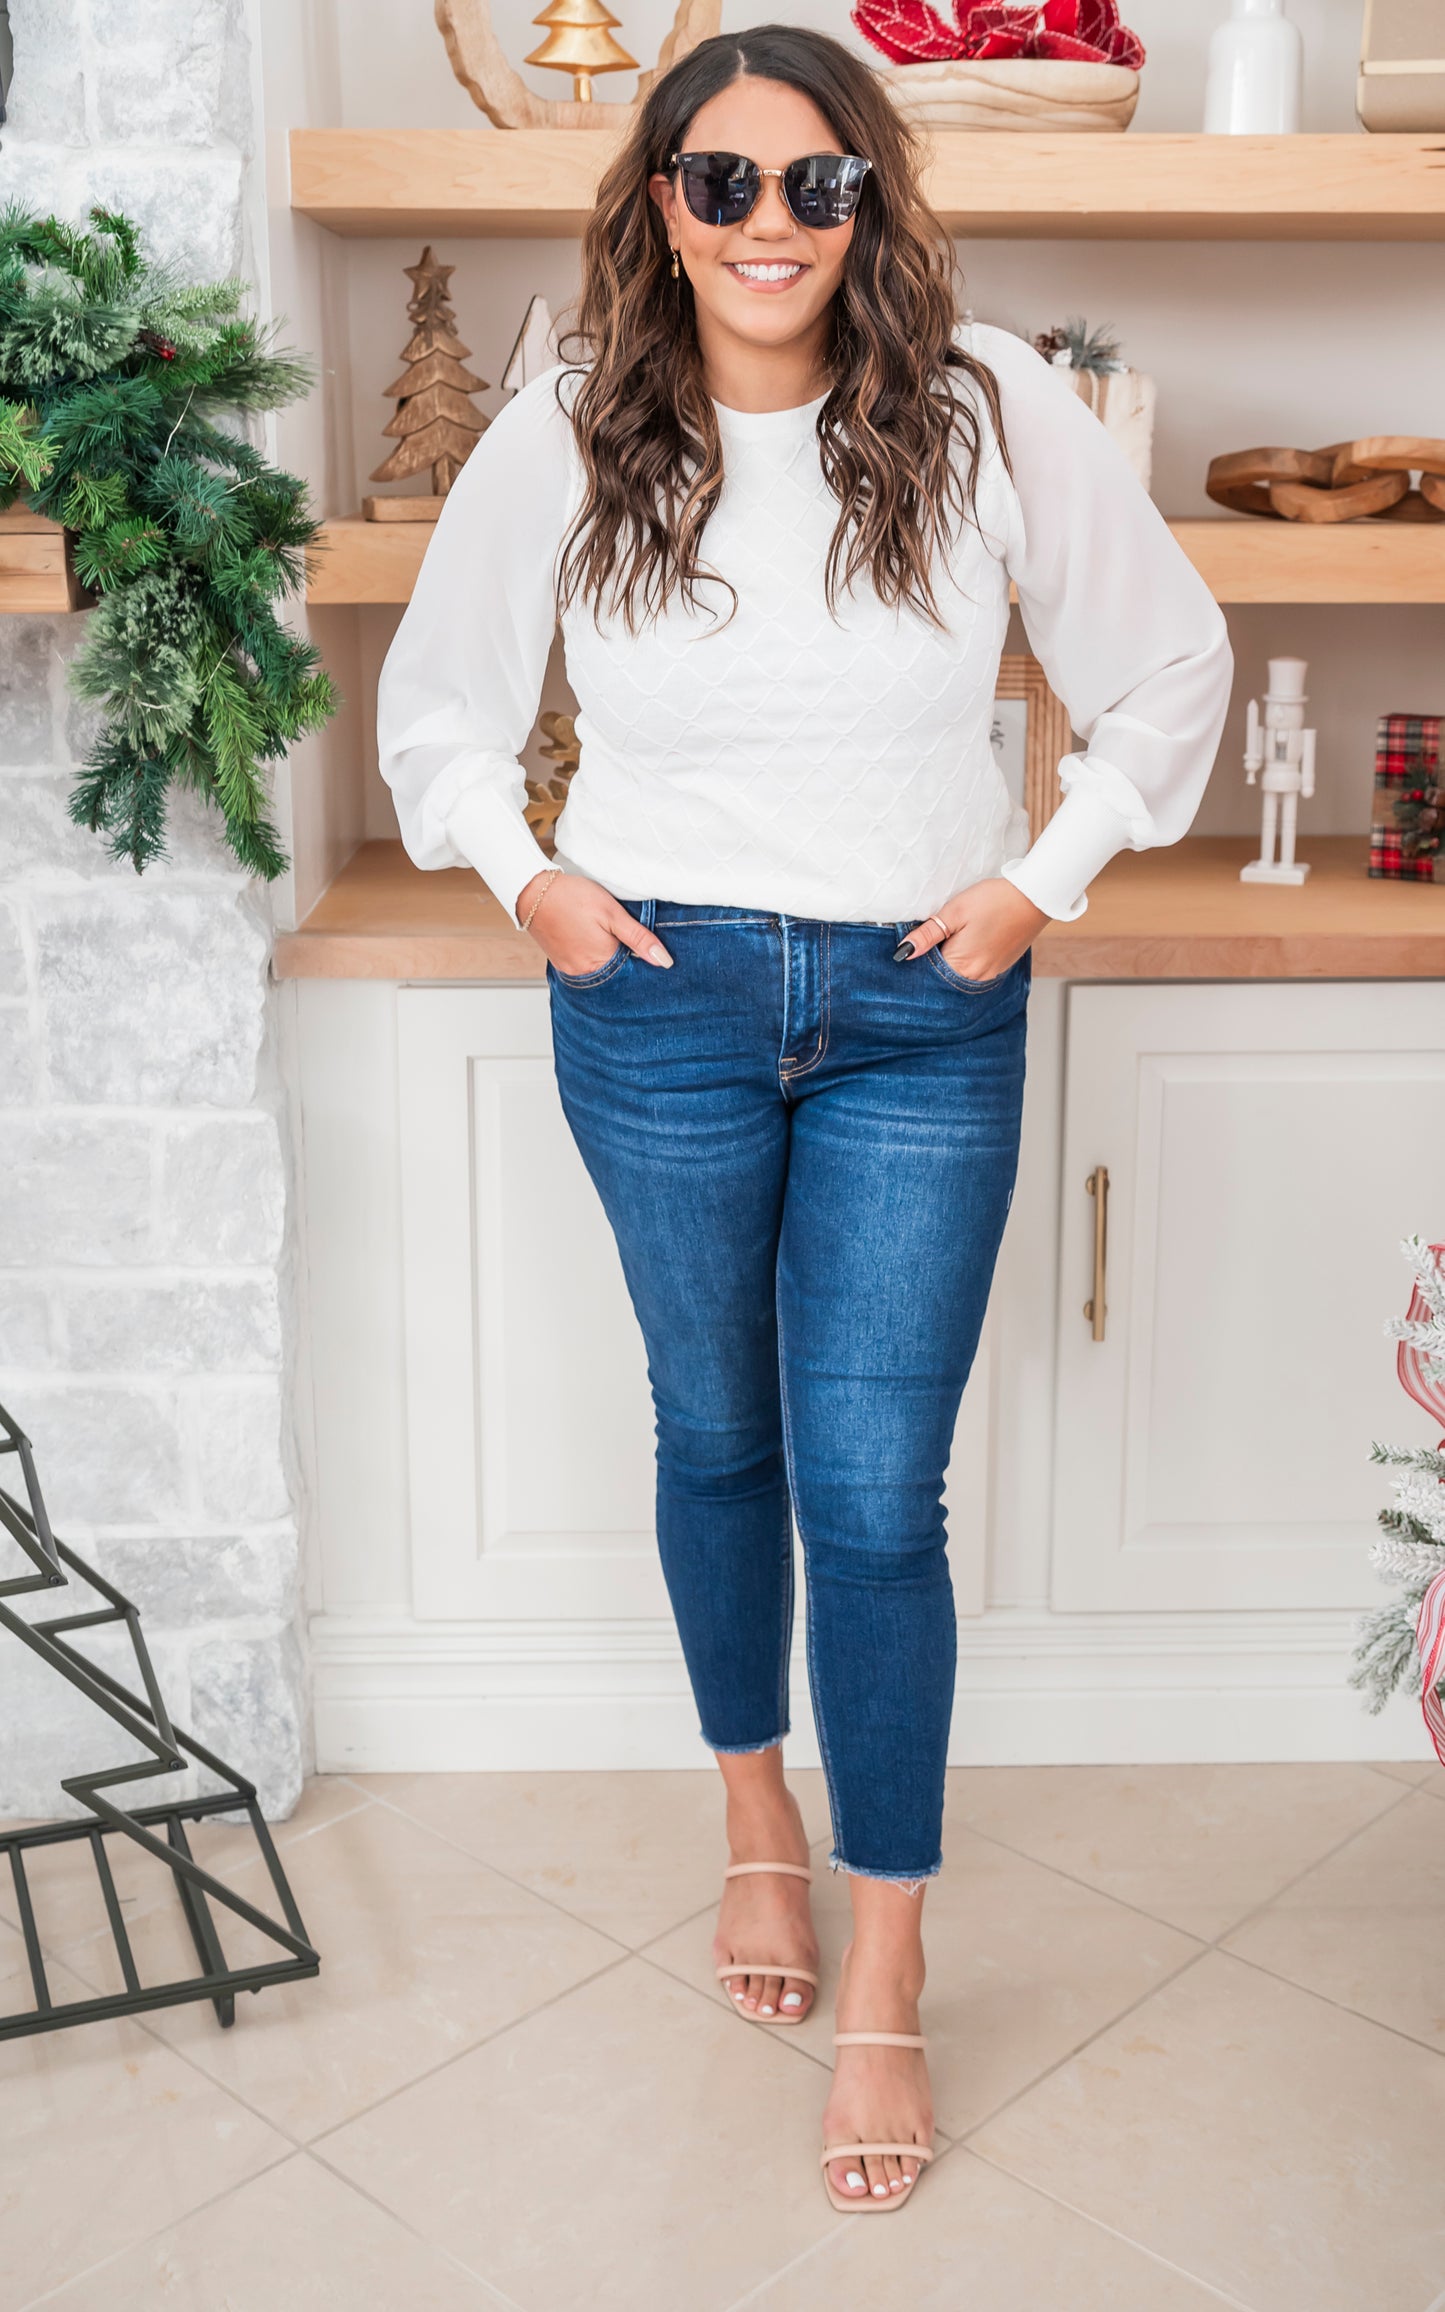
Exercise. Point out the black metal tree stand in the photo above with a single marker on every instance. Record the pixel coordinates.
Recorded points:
(159, 1829)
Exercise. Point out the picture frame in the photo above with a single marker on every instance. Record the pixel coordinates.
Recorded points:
(1030, 744)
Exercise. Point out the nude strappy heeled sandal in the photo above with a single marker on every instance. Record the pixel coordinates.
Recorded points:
(869, 2206)
(766, 1966)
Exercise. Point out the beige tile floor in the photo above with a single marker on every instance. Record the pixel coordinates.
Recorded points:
(1189, 2051)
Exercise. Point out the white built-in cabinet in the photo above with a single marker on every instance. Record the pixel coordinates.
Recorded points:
(1267, 1146)
(1158, 1538)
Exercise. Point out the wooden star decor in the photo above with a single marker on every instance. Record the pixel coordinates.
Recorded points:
(545, 797)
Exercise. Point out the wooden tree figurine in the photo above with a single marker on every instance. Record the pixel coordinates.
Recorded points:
(435, 421)
(579, 41)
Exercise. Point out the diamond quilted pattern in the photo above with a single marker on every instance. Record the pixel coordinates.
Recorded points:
(783, 757)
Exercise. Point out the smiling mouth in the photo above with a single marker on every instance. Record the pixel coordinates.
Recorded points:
(760, 275)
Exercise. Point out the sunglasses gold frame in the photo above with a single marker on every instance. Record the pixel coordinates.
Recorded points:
(810, 224)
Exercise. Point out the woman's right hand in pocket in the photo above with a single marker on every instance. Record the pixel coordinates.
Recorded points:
(579, 925)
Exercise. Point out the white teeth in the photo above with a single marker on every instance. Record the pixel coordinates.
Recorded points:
(768, 272)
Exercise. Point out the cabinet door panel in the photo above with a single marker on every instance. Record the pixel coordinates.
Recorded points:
(529, 1418)
(1267, 1148)
(529, 1421)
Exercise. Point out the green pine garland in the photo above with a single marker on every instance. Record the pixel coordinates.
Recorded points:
(115, 380)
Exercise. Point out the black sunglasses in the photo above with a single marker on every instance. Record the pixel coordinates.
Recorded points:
(722, 188)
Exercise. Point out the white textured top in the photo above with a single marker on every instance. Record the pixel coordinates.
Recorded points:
(782, 757)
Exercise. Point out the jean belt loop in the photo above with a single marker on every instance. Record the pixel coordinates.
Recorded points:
(649, 913)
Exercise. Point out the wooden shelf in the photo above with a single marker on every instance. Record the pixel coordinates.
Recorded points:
(1241, 560)
(1181, 913)
(36, 572)
(382, 918)
(1254, 560)
(357, 561)
(1000, 185)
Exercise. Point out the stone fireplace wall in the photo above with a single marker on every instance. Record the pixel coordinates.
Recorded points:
(144, 1263)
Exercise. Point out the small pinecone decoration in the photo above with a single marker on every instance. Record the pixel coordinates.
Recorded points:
(1086, 349)
(1420, 818)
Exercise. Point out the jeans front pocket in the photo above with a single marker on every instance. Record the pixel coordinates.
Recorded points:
(952, 978)
(604, 971)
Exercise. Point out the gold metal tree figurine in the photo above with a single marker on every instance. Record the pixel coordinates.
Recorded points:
(435, 421)
(578, 41)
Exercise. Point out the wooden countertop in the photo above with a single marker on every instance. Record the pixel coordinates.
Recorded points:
(1180, 913)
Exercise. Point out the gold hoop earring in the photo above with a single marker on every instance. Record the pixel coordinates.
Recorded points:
(676, 268)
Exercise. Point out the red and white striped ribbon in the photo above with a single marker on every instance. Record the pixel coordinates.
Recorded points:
(1410, 1364)
(1430, 1639)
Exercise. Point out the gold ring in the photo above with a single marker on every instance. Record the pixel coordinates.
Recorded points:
(943, 927)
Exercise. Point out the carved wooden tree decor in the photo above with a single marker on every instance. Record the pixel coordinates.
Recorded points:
(480, 64)
(435, 425)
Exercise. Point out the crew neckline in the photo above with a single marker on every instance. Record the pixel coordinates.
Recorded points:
(767, 420)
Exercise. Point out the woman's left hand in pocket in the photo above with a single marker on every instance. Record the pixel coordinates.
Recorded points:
(988, 927)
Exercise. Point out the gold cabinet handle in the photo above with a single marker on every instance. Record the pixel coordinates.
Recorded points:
(1098, 1186)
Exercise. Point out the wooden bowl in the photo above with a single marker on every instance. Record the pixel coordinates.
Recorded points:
(1017, 93)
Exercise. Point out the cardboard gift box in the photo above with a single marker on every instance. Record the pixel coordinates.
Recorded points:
(1402, 66)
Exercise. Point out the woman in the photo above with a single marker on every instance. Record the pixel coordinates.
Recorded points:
(778, 500)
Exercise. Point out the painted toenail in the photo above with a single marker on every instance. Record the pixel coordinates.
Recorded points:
(855, 2181)
(765, 2009)
(880, 2191)
(896, 2185)
(792, 1998)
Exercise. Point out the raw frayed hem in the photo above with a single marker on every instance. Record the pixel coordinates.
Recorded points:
(746, 1749)
(910, 1882)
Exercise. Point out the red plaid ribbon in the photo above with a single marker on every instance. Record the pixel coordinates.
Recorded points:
(1407, 754)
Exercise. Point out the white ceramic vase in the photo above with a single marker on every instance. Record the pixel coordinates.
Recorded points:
(1256, 72)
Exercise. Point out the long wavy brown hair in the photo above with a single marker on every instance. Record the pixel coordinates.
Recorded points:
(890, 428)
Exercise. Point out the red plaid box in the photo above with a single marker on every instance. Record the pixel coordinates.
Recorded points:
(1408, 821)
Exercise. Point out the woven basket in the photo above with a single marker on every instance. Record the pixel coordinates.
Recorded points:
(1027, 93)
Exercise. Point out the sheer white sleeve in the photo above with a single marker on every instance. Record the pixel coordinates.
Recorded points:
(462, 680)
(1124, 627)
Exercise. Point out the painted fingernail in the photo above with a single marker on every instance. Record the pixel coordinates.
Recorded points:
(902, 952)
(659, 957)
(855, 2181)
(792, 1998)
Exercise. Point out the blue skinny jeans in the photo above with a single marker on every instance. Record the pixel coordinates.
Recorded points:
(806, 1152)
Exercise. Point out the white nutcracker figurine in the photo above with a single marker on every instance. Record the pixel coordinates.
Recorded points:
(1280, 752)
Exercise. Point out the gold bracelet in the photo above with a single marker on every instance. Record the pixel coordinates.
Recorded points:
(552, 875)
